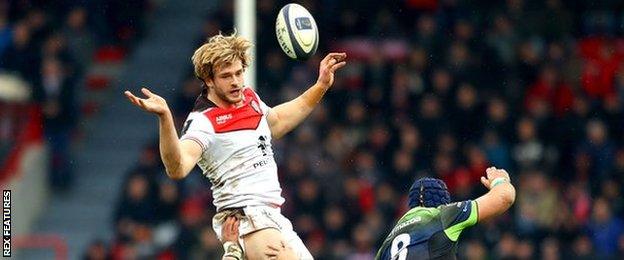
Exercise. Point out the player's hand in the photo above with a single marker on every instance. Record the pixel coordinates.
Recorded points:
(153, 103)
(229, 230)
(493, 173)
(329, 65)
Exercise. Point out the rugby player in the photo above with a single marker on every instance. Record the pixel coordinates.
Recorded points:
(431, 228)
(228, 134)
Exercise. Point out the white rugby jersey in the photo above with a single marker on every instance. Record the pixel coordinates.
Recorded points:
(237, 157)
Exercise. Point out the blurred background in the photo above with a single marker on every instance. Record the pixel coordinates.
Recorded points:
(441, 88)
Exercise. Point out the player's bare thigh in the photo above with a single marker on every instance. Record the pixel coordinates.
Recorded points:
(267, 243)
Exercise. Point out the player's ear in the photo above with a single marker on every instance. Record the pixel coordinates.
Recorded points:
(209, 83)
(203, 81)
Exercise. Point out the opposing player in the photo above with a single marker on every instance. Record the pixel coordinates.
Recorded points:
(228, 134)
(431, 228)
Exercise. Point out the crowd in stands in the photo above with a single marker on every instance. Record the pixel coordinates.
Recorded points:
(439, 88)
(48, 46)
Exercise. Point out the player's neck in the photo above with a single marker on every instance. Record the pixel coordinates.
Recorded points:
(222, 103)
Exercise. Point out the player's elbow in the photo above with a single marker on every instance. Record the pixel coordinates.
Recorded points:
(175, 175)
(175, 172)
(496, 202)
(279, 130)
(277, 134)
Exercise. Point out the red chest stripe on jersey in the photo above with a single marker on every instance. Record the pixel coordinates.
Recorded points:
(246, 117)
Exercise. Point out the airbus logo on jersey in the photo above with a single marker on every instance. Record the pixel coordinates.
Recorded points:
(223, 118)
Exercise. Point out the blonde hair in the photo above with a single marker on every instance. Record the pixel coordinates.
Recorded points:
(218, 51)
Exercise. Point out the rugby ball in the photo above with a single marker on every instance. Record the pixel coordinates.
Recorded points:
(296, 32)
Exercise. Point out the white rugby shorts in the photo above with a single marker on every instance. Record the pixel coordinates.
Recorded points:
(260, 217)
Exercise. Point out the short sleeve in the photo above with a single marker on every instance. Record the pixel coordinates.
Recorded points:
(458, 216)
(265, 108)
(197, 128)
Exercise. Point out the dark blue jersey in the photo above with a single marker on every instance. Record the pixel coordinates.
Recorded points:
(429, 233)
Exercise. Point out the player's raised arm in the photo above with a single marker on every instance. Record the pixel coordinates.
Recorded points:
(179, 157)
(285, 117)
(501, 196)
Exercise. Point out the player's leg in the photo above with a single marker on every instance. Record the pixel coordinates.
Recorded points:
(263, 228)
(295, 248)
(278, 230)
(292, 239)
(267, 243)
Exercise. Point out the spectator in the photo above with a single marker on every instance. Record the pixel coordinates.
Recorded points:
(56, 92)
(503, 38)
(136, 204)
(599, 148)
(499, 118)
(363, 244)
(442, 84)
(496, 150)
(335, 221)
(80, 40)
(427, 36)
(506, 246)
(402, 174)
(308, 199)
(6, 34)
(20, 56)
(430, 119)
(536, 203)
(525, 250)
(475, 250)
(549, 93)
(612, 192)
(555, 29)
(601, 64)
(168, 204)
(550, 249)
(96, 251)
(582, 248)
(605, 229)
(466, 116)
(529, 152)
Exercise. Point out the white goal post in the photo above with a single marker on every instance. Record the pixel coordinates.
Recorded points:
(245, 23)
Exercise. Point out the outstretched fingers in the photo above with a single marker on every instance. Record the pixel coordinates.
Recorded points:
(337, 66)
(489, 171)
(337, 55)
(133, 99)
(485, 182)
(147, 92)
(333, 58)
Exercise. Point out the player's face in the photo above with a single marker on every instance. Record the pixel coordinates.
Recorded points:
(228, 82)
